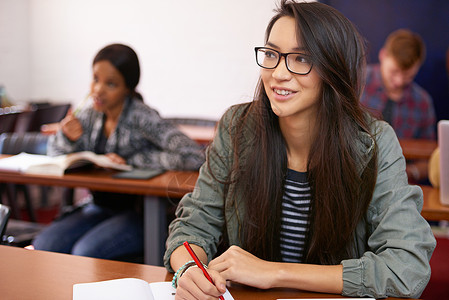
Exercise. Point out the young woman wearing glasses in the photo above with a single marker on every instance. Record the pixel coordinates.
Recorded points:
(302, 188)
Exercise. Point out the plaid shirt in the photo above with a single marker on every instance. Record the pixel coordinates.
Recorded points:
(413, 116)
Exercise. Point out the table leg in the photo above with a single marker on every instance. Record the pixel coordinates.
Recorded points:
(155, 231)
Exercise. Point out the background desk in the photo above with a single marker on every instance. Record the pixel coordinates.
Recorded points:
(201, 134)
(170, 184)
(40, 275)
(432, 209)
(411, 148)
(417, 148)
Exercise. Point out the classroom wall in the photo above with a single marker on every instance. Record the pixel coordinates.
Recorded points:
(15, 48)
(196, 56)
(428, 18)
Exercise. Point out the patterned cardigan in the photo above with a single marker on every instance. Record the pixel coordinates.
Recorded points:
(142, 138)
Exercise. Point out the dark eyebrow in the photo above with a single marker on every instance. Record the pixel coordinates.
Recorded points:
(276, 47)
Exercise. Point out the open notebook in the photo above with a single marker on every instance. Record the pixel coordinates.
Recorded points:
(443, 143)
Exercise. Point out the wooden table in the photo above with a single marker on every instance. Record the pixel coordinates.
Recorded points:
(170, 184)
(201, 134)
(417, 148)
(40, 275)
(432, 209)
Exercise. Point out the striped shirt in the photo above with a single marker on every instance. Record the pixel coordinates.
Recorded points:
(294, 218)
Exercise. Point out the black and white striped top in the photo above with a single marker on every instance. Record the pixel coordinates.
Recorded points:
(295, 216)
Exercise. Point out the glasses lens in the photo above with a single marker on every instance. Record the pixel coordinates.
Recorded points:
(298, 63)
(267, 58)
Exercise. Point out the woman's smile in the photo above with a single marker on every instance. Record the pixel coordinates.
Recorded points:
(283, 93)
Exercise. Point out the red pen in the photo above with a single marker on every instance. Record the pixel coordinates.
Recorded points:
(199, 263)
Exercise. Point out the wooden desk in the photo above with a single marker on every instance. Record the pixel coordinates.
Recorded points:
(201, 134)
(432, 209)
(417, 148)
(170, 184)
(40, 275)
(28, 274)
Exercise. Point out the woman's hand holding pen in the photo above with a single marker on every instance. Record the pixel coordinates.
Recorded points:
(240, 266)
(194, 285)
(71, 127)
(236, 265)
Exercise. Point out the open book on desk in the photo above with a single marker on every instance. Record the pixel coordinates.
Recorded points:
(127, 288)
(57, 165)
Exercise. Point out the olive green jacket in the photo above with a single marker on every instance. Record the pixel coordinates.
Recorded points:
(393, 244)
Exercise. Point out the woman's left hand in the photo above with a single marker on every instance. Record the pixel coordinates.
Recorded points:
(241, 266)
(116, 158)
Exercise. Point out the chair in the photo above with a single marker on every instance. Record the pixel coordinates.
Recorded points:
(8, 121)
(20, 233)
(30, 142)
(438, 286)
(40, 114)
(4, 217)
(14, 143)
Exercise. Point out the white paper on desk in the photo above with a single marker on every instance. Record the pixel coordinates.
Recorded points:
(160, 289)
(127, 288)
(117, 289)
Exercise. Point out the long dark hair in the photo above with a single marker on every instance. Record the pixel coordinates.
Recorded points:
(125, 60)
(340, 193)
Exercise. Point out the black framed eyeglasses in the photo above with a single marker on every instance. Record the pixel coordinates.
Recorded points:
(298, 63)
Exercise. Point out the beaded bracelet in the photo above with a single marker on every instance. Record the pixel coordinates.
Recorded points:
(174, 281)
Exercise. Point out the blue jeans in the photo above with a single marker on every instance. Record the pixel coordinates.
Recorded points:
(94, 231)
